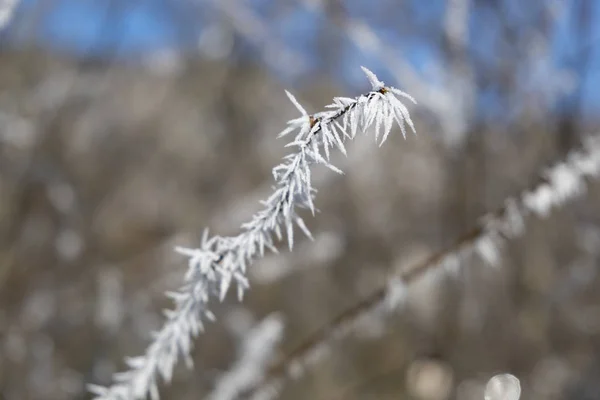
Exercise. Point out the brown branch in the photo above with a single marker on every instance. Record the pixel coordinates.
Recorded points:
(499, 225)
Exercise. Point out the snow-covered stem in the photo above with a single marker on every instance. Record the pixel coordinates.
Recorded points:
(255, 353)
(220, 261)
(558, 185)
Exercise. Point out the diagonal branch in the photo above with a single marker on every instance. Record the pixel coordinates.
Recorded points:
(221, 261)
(560, 184)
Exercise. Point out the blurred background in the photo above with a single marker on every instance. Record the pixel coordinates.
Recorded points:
(128, 127)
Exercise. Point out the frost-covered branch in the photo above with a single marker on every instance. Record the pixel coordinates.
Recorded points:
(448, 99)
(560, 184)
(221, 261)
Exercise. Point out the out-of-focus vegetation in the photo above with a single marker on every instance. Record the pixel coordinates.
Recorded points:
(106, 164)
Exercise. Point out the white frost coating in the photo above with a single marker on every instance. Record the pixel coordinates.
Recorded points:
(451, 264)
(222, 261)
(396, 294)
(565, 179)
(514, 225)
(488, 250)
(255, 354)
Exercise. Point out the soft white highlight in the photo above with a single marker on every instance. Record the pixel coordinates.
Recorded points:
(503, 387)
(7, 9)
(255, 353)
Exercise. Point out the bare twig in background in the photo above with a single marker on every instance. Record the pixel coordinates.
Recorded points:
(560, 184)
(7, 9)
(460, 81)
(250, 26)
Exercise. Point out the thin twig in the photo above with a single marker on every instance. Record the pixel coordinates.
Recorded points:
(563, 182)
